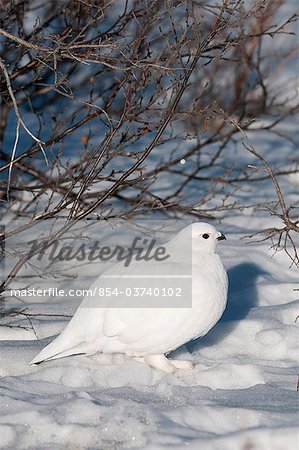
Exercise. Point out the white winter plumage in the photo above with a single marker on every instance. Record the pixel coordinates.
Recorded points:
(150, 333)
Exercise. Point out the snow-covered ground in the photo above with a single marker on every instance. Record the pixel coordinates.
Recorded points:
(240, 395)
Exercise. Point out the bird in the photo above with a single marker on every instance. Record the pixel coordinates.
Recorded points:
(144, 333)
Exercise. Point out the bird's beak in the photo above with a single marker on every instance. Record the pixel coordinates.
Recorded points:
(221, 237)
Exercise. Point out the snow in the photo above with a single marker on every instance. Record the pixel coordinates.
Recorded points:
(240, 395)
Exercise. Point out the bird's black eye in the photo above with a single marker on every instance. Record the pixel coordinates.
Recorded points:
(206, 236)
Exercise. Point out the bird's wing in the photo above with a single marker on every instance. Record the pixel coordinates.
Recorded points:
(130, 324)
(151, 325)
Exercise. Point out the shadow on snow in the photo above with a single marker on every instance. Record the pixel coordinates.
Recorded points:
(242, 297)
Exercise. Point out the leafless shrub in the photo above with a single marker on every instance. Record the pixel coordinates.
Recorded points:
(9, 317)
(99, 95)
(282, 238)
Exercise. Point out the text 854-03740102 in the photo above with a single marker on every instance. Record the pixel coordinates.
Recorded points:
(141, 291)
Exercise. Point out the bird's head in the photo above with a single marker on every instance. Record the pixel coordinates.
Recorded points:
(204, 236)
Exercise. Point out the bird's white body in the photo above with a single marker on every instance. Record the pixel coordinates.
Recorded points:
(150, 333)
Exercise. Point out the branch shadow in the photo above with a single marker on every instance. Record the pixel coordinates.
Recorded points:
(242, 297)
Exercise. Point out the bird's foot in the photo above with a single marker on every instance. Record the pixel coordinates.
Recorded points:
(181, 364)
(160, 362)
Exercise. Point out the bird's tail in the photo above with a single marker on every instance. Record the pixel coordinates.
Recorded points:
(60, 347)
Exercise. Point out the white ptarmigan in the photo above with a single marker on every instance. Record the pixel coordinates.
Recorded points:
(149, 333)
